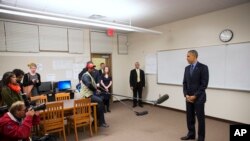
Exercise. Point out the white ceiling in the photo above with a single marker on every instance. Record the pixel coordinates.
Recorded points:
(141, 13)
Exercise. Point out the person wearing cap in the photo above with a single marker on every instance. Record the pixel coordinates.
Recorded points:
(94, 73)
(89, 87)
(83, 71)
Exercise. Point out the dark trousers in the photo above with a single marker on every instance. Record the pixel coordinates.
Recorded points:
(100, 108)
(106, 98)
(137, 93)
(198, 109)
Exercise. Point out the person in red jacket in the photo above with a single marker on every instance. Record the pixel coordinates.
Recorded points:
(16, 124)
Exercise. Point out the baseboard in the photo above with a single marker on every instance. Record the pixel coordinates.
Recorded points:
(210, 117)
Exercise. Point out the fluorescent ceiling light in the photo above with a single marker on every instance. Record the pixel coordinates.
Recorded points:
(69, 19)
(62, 20)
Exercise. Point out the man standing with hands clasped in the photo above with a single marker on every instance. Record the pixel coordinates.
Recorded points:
(137, 83)
(195, 82)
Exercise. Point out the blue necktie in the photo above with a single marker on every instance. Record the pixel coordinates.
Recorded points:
(191, 69)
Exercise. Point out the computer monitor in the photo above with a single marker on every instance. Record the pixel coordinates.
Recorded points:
(64, 85)
(45, 87)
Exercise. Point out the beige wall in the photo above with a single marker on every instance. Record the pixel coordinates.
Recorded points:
(12, 60)
(197, 31)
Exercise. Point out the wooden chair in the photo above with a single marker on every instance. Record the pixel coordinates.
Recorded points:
(53, 118)
(62, 96)
(81, 116)
(39, 99)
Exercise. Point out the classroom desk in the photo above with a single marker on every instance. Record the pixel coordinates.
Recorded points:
(68, 106)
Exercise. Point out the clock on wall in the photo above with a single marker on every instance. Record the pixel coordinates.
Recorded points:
(226, 35)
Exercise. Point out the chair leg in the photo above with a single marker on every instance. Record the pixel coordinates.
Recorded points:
(69, 125)
(76, 134)
(90, 130)
(64, 135)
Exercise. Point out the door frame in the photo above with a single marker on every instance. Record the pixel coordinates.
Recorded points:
(108, 62)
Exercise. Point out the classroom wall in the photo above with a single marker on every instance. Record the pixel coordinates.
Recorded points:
(197, 31)
(47, 60)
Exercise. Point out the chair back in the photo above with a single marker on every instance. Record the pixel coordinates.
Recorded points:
(82, 111)
(62, 96)
(39, 99)
(81, 115)
(53, 118)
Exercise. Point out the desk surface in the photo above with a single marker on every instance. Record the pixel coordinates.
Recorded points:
(69, 104)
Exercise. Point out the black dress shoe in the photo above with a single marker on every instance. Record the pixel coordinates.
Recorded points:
(108, 111)
(187, 138)
(141, 105)
(200, 139)
(134, 106)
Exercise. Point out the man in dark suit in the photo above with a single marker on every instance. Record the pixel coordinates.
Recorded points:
(137, 83)
(101, 70)
(195, 82)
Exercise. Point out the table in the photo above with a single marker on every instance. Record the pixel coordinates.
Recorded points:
(68, 106)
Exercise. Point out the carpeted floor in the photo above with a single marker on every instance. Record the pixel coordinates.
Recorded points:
(159, 124)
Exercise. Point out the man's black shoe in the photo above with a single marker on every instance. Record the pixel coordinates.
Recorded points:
(134, 106)
(141, 105)
(187, 138)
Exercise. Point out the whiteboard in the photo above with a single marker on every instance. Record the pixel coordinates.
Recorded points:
(228, 65)
(238, 67)
(51, 68)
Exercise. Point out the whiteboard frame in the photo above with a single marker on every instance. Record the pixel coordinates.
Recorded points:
(217, 88)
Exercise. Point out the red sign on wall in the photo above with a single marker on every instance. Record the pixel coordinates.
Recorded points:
(110, 32)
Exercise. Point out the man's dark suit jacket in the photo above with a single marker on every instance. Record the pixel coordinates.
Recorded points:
(100, 72)
(133, 78)
(197, 83)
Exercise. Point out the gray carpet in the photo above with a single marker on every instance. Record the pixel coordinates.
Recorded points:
(159, 125)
